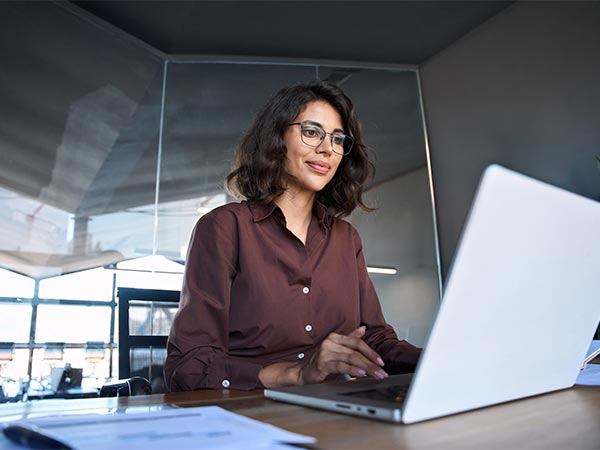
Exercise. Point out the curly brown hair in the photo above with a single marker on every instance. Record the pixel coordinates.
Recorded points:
(258, 167)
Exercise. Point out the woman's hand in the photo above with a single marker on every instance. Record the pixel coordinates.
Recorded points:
(340, 353)
(337, 354)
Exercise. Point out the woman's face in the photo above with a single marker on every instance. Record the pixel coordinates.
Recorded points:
(309, 169)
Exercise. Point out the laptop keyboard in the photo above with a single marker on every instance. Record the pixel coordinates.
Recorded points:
(395, 394)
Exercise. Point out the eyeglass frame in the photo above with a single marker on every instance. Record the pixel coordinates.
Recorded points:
(310, 122)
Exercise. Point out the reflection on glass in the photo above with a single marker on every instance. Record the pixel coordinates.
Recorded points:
(78, 138)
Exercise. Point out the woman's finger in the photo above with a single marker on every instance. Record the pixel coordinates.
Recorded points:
(334, 361)
(359, 332)
(358, 345)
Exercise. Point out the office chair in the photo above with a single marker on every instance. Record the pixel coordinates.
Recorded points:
(145, 317)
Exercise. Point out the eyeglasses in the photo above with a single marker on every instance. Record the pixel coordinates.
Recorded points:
(313, 136)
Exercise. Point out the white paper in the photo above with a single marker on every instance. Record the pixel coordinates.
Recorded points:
(590, 376)
(208, 427)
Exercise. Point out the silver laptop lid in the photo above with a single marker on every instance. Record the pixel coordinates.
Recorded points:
(521, 303)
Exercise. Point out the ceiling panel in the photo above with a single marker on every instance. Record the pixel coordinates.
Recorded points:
(399, 32)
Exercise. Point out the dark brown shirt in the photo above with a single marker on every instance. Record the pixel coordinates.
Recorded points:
(253, 294)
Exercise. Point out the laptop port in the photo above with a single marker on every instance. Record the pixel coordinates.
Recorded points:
(341, 405)
(372, 411)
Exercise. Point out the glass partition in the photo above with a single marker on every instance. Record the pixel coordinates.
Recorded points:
(78, 138)
(209, 105)
(109, 154)
(79, 127)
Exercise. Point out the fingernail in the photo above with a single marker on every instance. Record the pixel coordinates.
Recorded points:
(380, 361)
(361, 373)
(380, 374)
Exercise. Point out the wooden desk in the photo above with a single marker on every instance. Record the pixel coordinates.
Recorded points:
(567, 419)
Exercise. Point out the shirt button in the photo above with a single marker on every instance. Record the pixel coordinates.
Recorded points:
(308, 327)
(300, 355)
(305, 289)
(225, 383)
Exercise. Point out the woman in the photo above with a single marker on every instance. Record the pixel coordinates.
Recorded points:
(276, 290)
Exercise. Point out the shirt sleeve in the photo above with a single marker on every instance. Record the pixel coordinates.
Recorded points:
(197, 356)
(399, 356)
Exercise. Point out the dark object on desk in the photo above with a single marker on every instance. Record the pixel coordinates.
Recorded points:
(65, 378)
(30, 436)
(143, 333)
(125, 388)
(65, 383)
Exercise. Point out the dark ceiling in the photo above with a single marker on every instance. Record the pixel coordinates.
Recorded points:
(399, 32)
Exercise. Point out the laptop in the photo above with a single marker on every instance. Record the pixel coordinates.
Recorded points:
(519, 310)
(65, 378)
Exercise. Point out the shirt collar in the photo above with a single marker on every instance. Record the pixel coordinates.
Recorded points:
(260, 211)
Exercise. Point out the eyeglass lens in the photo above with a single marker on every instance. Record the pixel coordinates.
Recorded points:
(313, 135)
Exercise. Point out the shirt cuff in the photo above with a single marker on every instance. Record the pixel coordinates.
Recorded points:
(233, 372)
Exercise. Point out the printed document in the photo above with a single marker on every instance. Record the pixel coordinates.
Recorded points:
(208, 427)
